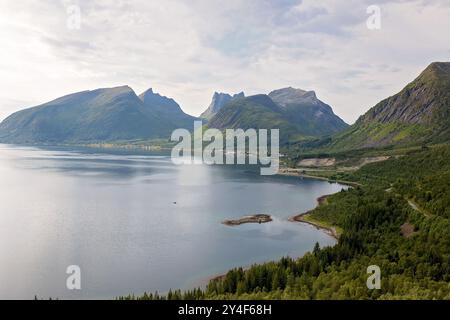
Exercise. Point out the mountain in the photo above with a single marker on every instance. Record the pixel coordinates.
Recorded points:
(258, 112)
(297, 113)
(218, 101)
(108, 114)
(312, 116)
(118, 114)
(420, 113)
(167, 109)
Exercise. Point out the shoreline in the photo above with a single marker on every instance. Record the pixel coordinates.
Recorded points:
(292, 172)
(296, 218)
(331, 231)
(256, 218)
(100, 145)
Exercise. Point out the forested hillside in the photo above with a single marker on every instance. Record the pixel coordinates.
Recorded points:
(399, 219)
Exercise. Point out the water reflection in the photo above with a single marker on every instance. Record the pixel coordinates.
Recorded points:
(136, 222)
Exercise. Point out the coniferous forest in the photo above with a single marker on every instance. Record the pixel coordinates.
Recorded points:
(397, 219)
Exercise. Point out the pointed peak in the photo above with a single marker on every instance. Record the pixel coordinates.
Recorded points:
(149, 90)
(227, 95)
(218, 100)
(148, 94)
(239, 95)
(220, 94)
(154, 99)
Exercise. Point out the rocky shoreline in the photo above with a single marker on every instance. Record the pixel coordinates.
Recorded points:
(256, 218)
(294, 172)
(301, 218)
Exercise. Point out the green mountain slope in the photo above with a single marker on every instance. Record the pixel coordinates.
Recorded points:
(258, 112)
(219, 99)
(111, 114)
(420, 113)
(410, 244)
(312, 116)
(166, 109)
(297, 113)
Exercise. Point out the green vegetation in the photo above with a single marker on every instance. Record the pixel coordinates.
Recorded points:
(292, 111)
(377, 134)
(371, 216)
(397, 216)
(420, 113)
(102, 116)
(315, 220)
(255, 112)
(421, 175)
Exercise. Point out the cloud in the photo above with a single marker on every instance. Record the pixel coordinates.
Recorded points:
(189, 49)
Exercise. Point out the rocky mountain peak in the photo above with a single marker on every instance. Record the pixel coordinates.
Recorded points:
(219, 99)
(153, 99)
(290, 95)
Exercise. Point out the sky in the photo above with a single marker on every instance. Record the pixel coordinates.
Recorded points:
(188, 49)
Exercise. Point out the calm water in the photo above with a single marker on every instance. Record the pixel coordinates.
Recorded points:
(115, 216)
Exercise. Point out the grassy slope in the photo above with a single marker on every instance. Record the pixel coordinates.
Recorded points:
(418, 114)
(258, 112)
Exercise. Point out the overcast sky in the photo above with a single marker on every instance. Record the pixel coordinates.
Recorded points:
(189, 49)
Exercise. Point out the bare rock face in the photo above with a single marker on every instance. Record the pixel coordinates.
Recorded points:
(219, 99)
(418, 114)
(314, 117)
(426, 100)
(296, 113)
(287, 96)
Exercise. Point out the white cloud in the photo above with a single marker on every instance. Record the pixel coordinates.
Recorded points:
(188, 49)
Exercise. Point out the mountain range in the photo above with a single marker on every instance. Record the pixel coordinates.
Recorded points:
(297, 113)
(111, 114)
(420, 113)
(119, 115)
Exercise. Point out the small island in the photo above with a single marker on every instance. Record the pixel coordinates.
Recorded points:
(256, 218)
